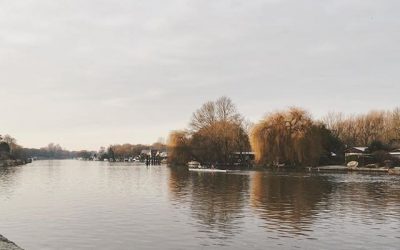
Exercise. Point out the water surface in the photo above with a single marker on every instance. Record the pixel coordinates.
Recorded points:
(97, 205)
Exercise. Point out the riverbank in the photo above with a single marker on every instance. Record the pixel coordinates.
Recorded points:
(12, 163)
(5, 244)
(345, 169)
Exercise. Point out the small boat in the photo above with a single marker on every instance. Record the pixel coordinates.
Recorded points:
(208, 170)
(194, 164)
(352, 164)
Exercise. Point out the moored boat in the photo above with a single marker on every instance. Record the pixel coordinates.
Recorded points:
(352, 164)
(194, 165)
(208, 170)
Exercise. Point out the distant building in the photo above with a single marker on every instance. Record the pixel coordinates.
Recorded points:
(145, 152)
(359, 154)
(149, 152)
(243, 158)
(356, 151)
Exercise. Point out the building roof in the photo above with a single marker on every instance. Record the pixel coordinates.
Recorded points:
(356, 150)
(152, 152)
(363, 149)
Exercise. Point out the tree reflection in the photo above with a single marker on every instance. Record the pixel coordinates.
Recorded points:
(9, 178)
(288, 203)
(178, 183)
(216, 200)
(374, 197)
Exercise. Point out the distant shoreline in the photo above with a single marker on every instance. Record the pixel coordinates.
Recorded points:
(13, 163)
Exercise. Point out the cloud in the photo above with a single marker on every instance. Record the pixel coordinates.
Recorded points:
(90, 72)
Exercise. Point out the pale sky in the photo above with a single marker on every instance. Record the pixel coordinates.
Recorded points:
(89, 73)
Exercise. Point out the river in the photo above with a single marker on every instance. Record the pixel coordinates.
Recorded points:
(97, 205)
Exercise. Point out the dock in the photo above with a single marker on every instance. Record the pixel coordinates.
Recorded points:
(345, 169)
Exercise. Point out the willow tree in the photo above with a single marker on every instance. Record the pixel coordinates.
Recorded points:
(289, 137)
(178, 146)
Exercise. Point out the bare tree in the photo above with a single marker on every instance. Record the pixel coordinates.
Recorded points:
(334, 122)
(217, 130)
(363, 129)
(11, 141)
(204, 116)
(222, 110)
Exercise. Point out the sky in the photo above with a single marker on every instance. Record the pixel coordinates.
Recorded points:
(91, 73)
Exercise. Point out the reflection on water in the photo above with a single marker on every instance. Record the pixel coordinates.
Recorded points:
(179, 184)
(8, 179)
(218, 201)
(288, 202)
(98, 205)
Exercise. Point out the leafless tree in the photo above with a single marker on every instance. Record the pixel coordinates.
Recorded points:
(217, 130)
(222, 110)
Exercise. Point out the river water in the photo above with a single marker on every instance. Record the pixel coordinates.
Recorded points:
(97, 205)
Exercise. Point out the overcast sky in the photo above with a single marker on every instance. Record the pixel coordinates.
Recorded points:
(95, 72)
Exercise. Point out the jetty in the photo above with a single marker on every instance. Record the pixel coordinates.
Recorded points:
(345, 169)
(5, 244)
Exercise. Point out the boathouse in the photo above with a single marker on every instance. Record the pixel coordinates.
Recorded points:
(243, 158)
(359, 154)
(356, 151)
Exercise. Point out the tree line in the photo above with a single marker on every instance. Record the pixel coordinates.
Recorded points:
(11, 150)
(120, 152)
(218, 134)
(364, 129)
(289, 137)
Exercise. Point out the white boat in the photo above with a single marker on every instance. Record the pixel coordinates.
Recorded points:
(352, 164)
(208, 170)
(194, 164)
